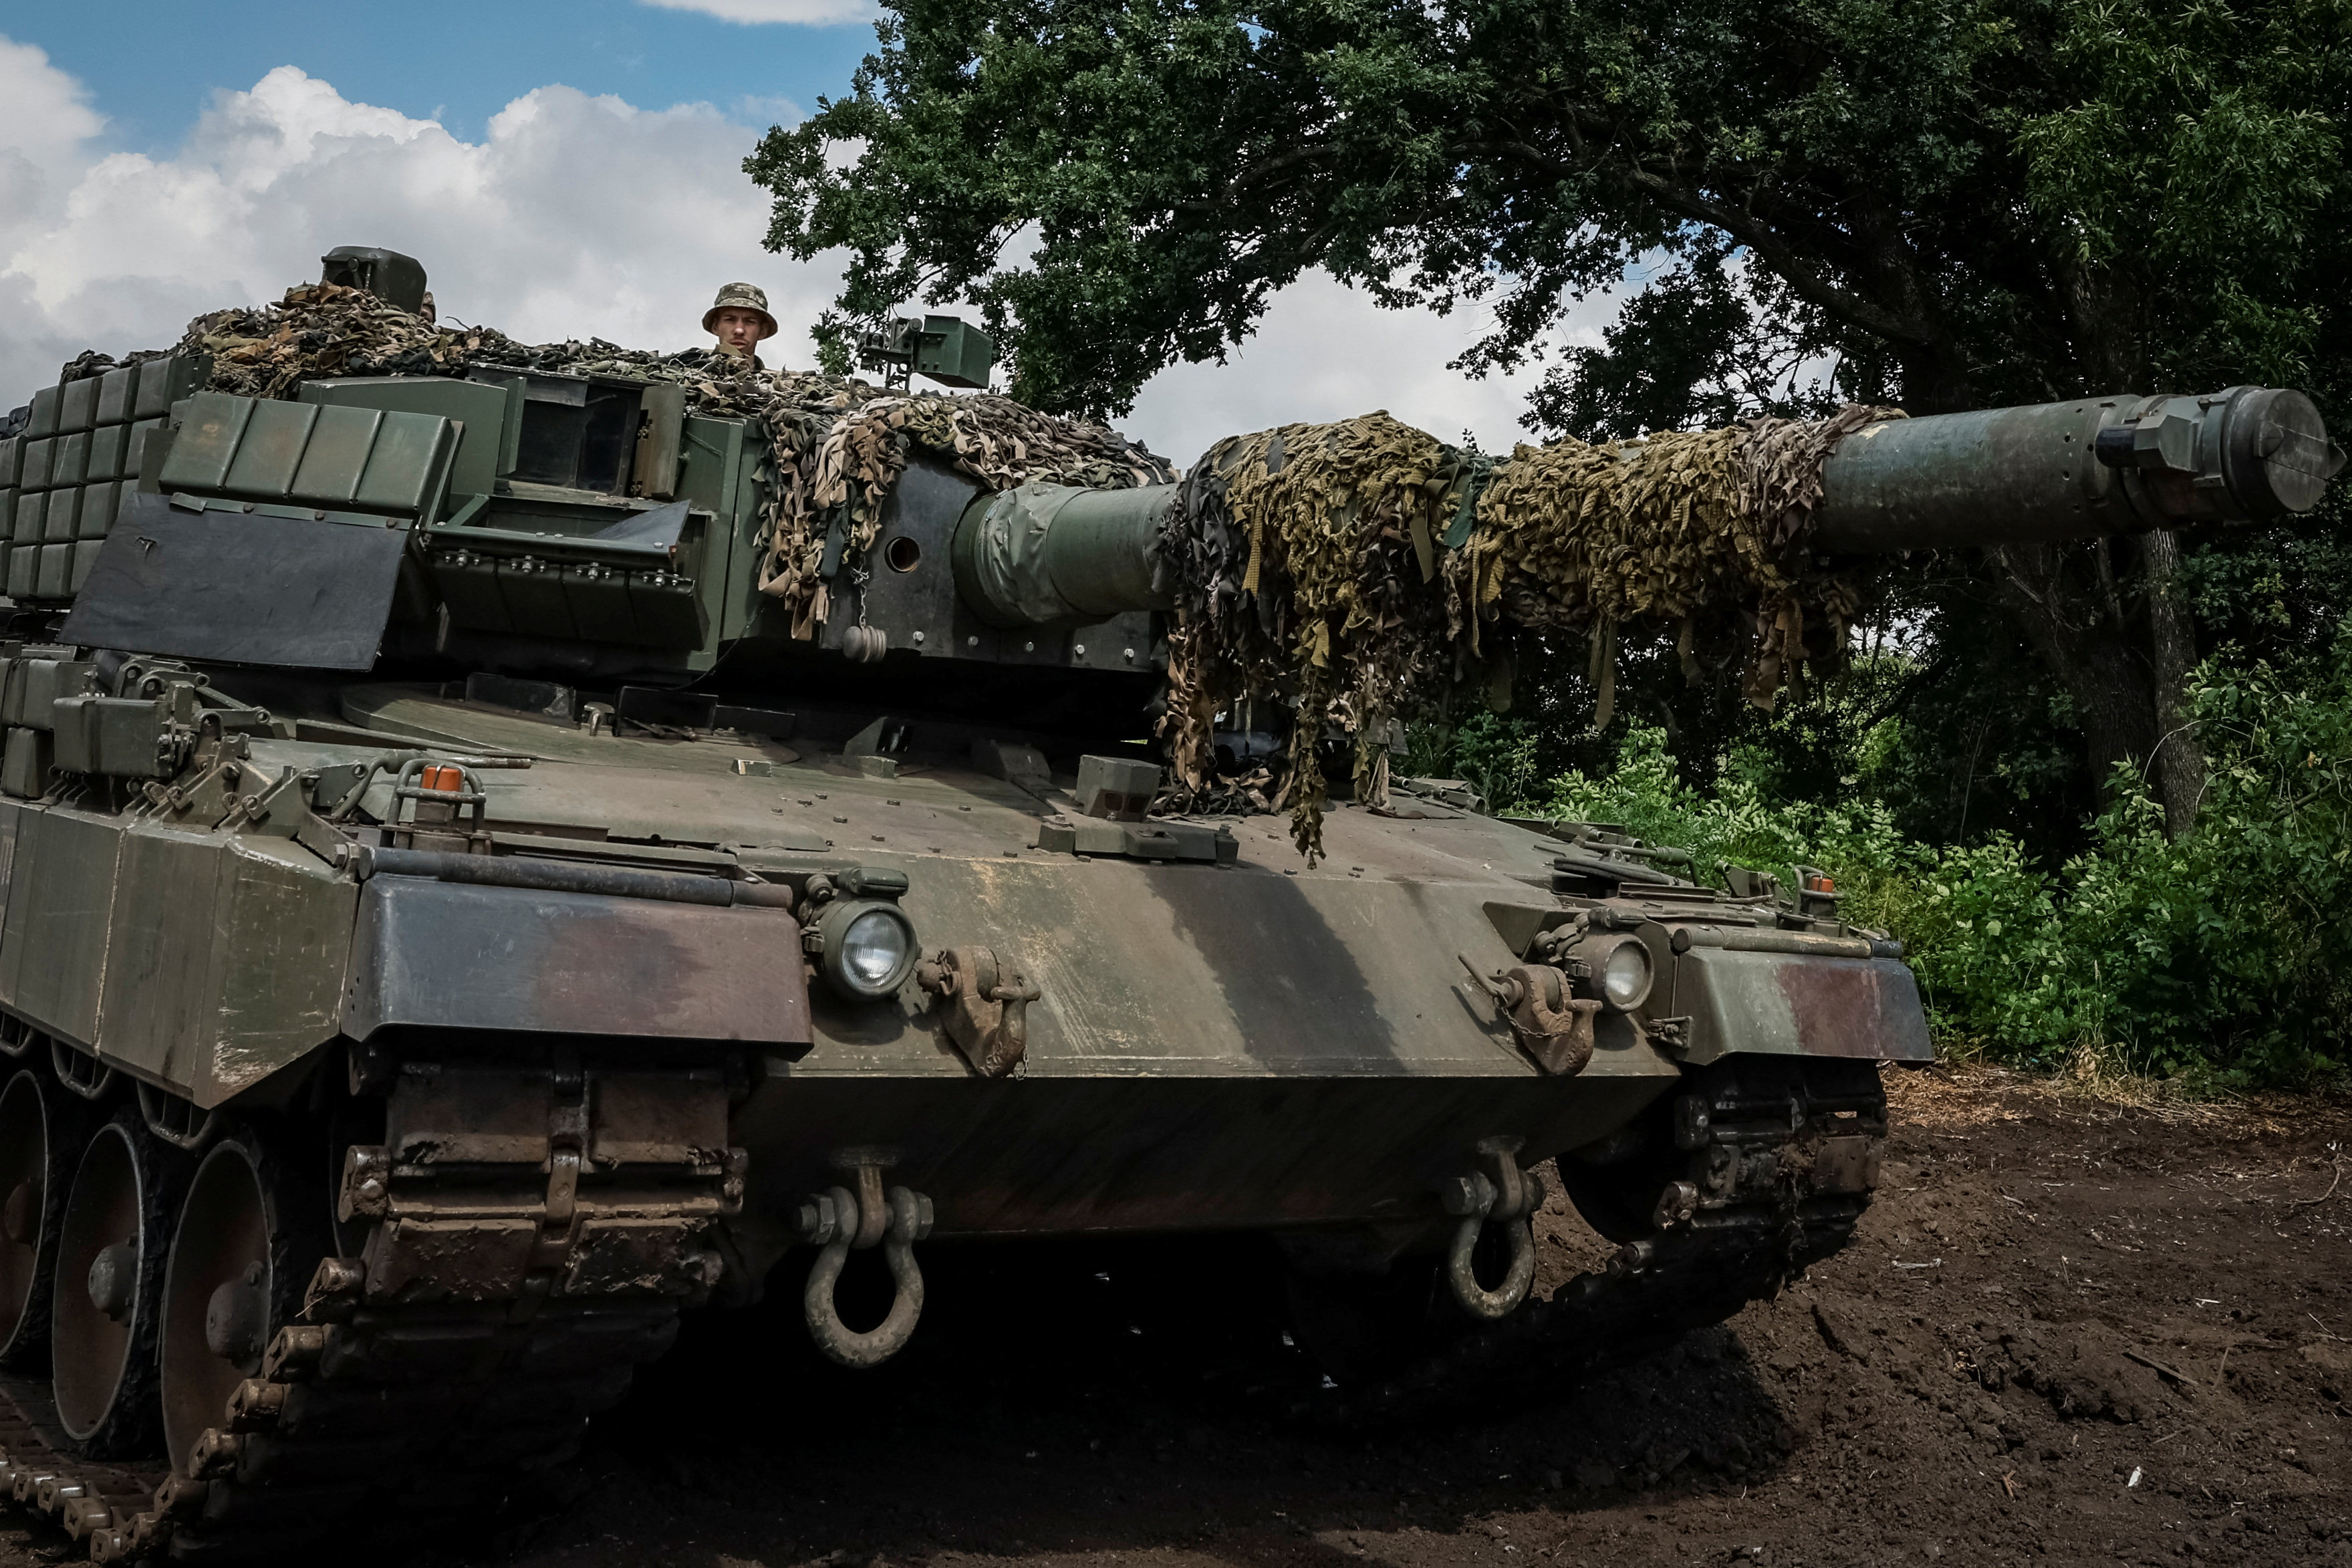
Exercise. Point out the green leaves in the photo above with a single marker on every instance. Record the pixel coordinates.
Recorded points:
(1988, 200)
(2190, 176)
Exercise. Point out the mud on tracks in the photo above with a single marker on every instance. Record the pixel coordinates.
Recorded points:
(2050, 1297)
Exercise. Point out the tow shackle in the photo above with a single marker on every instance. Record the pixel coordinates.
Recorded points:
(1500, 1194)
(840, 1221)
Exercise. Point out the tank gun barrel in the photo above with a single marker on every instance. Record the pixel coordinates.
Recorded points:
(1048, 554)
(1051, 554)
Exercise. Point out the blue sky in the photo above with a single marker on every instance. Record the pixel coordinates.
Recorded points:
(152, 65)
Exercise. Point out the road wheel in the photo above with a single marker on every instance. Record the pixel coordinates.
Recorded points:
(41, 1133)
(241, 1258)
(107, 1291)
(1616, 1183)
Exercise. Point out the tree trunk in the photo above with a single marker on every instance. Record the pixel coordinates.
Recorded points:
(2092, 657)
(2127, 686)
(2126, 683)
(2172, 643)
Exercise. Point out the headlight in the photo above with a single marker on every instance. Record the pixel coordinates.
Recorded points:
(868, 947)
(873, 947)
(1625, 975)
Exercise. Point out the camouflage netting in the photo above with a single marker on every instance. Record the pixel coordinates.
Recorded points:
(1699, 530)
(835, 445)
(1301, 557)
(1351, 568)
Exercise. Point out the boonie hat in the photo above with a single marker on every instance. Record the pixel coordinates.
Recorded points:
(741, 297)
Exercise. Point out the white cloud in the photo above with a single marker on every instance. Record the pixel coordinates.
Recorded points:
(806, 13)
(1324, 352)
(573, 217)
(45, 114)
(766, 109)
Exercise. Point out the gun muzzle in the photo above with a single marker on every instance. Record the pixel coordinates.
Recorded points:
(2068, 470)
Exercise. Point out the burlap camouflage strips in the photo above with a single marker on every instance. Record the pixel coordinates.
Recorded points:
(1353, 568)
(835, 445)
(1301, 556)
(1702, 529)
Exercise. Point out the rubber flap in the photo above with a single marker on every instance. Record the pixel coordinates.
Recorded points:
(239, 588)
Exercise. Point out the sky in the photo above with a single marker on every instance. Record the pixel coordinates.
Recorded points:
(562, 170)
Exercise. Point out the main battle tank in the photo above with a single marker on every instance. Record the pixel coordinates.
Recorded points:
(452, 926)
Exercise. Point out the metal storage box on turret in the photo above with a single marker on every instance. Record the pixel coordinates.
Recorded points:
(500, 848)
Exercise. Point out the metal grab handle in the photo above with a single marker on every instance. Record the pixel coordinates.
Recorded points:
(1475, 1298)
(904, 1224)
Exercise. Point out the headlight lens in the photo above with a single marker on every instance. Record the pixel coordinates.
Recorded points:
(873, 947)
(1625, 976)
(868, 946)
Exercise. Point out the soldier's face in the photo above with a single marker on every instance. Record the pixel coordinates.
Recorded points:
(739, 330)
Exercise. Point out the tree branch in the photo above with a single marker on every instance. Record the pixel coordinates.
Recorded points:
(1743, 225)
(1810, 285)
(1243, 179)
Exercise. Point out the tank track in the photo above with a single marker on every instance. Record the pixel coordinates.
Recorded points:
(1780, 1157)
(426, 1394)
(523, 1237)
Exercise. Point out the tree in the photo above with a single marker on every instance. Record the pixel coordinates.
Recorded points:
(1952, 203)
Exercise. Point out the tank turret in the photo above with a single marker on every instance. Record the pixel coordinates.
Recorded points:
(592, 527)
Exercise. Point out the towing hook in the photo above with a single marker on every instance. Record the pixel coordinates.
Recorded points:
(985, 1006)
(1551, 1025)
(1501, 1195)
(840, 1221)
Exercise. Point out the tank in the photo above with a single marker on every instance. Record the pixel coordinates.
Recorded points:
(451, 927)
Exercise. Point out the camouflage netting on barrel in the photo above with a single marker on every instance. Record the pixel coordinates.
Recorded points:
(1355, 568)
(835, 445)
(1303, 559)
(1702, 530)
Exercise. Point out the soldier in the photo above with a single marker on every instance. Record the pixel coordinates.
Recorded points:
(739, 319)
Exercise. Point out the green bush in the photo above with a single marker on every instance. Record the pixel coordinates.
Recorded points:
(2222, 955)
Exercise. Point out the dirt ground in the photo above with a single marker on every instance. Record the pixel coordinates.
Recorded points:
(2069, 1331)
